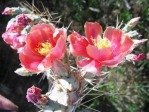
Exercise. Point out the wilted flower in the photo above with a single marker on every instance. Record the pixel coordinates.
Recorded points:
(34, 96)
(99, 51)
(140, 57)
(44, 44)
(23, 20)
(14, 35)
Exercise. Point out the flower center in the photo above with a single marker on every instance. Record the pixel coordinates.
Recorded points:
(102, 42)
(44, 48)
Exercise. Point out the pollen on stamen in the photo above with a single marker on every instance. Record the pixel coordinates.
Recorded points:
(44, 48)
(102, 42)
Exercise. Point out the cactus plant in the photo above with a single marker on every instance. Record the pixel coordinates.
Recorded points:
(70, 62)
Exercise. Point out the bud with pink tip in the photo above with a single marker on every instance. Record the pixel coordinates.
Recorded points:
(140, 57)
(15, 10)
(131, 24)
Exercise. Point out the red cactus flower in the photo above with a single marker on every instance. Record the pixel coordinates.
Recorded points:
(44, 44)
(106, 50)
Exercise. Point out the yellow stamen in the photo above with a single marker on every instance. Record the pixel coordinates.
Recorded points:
(44, 48)
(102, 42)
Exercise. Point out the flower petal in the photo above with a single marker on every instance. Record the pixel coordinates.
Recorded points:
(43, 33)
(41, 26)
(92, 30)
(34, 38)
(30, 60)
(58, 32)
(30, 63)
(99, 54)
(9, 37)
(59, 50)
(126, 44)
(47, 33)
(109, 32)
(116, 37)
(115, 61)
(91, 66)
(116, 41)
(78, 44)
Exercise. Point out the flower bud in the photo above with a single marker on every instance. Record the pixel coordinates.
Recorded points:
(8, 11)
(140, 57)
(131, 24)
(14, 10)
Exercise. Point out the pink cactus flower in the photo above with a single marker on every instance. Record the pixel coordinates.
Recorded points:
(99, 50)
(140, 57)
(44, 44)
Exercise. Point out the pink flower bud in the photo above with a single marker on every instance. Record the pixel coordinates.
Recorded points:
(139, 57)
(15, 10)
(133, 21)
(8, 11)
(131, 24)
